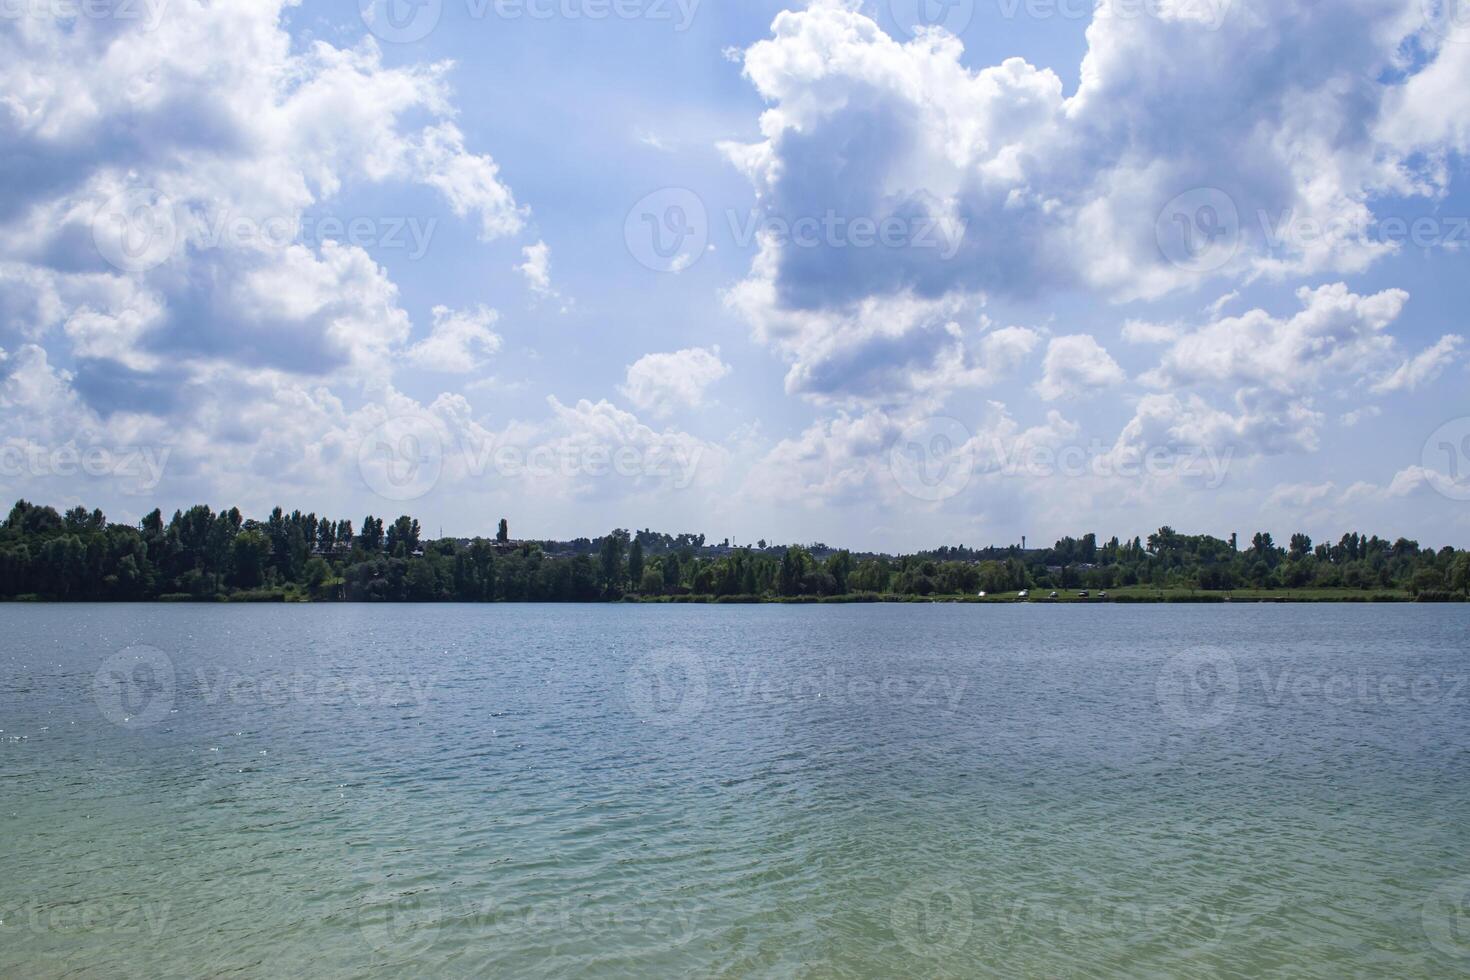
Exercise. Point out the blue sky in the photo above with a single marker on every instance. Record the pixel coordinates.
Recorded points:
(401, 259)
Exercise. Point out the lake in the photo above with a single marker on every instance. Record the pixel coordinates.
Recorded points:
(771, 791)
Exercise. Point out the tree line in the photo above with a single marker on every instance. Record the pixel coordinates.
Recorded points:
(202, 554)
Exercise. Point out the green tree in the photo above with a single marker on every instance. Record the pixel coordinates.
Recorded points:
(635, 562)
(252, 552)
(1459, 577)
(1427, 580)
(611, 552)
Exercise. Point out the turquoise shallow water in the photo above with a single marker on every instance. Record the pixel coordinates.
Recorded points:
(916, 790)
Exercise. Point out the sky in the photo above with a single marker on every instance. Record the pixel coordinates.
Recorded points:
(885, 275)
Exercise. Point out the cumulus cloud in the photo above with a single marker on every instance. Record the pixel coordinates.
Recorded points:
(536, 269)
(1147, 180)
(1299, 495)
(458, 342)
(663, 382)
(1143, 332)
(1423, 367)
(1263, 423)
(170, 189)
(1335, 332)
(172, 230)
(1075, 366)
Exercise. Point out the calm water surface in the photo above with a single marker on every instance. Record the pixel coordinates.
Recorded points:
(917, 790)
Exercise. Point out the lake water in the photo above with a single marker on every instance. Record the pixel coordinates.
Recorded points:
(772, 791)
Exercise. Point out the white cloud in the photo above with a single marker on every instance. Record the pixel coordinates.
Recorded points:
(1075, 366)
(1043, 191)
(1352, 418)
(1299, 495)
(537, 268)
(458, 342)
(1423, 367)
(1335, 332)
(662, 383)
(1405, 482)
(1263, 423)
(1143, 332)
(1218, 306)
(231, 133)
